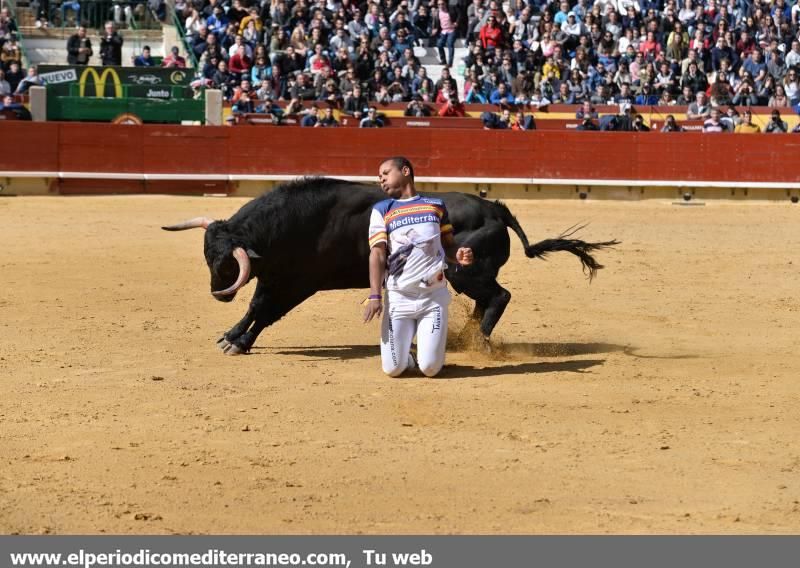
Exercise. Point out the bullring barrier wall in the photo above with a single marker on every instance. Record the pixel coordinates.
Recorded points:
(86, 158)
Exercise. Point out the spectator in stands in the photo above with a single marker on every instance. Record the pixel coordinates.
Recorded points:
(731, 118)
(123, 12)
(10, 51)
(12, 109)
(586, 111)
(417, 108)
(144, 59)
(174, 59)
(234, 42)
(451, 106)
(779, 99)
(73, 5)
(646, 97)
(446, 80)
(491, 121)
(217, 22)
(686, 97)
(587, 124)
(524, 85)
(671, 125)
(700, 109)
(79, 48)
(244, 99)
(14, 75)
(327, 120)
(265, 91)
(251, 17)
(776, 124)
(714, 123)
(639, 125)
(372, 120)
(625, 95)
(563, 96)
(223, 80)
(268, 106)
(32, 79)
(747, 126)
(310, 116)
(261, 70)
(600, 96)
(473, 89)
(491, 35)
(354, 102)
(41, 11)
(110, 45)
(300, 88)
(501, 96)
(791, 87)
(745, 94)
(239, 63)
(5, 88)
(523, 122)
(444, 23)
(193, 23)
(793, 57)
(294, 107)
(329, 92)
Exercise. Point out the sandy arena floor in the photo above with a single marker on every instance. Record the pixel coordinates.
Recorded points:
(662, 398)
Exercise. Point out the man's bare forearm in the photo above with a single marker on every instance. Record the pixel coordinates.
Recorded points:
(377, 268)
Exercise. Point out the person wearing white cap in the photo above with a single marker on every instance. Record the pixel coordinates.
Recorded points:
(574, 30)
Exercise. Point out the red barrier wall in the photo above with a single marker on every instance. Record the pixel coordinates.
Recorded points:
(688, 156)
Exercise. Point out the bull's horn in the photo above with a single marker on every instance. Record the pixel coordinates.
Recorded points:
(195, 223)
(244, 272)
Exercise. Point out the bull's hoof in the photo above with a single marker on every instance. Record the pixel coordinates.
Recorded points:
(233, 349)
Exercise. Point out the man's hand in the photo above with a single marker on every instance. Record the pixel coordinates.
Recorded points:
(372, 309)
(464, 256)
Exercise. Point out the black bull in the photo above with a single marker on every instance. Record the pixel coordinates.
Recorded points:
(311, 235)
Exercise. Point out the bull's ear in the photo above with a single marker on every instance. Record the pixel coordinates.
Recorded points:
(253, 255)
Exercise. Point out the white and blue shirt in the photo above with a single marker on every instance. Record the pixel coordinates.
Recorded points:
(412, 228)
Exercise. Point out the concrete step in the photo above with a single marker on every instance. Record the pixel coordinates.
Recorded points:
(428, 57)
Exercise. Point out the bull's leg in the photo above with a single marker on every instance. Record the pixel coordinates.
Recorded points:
(491, 300)
(259, 297)
(273, 307)
(499, 299)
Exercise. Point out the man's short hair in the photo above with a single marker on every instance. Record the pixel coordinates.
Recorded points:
(401, 162)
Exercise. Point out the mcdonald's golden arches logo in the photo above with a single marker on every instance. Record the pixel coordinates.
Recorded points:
(100, 82)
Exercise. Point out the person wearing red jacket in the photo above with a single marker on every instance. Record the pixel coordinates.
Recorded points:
(451, 106)
(239, 64)
(174, 59)
(491, 34)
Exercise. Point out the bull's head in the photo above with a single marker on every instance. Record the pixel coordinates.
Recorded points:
(228, 262)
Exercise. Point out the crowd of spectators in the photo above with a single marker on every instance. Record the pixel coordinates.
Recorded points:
(77, 12)
(14, 78)
(350, 54)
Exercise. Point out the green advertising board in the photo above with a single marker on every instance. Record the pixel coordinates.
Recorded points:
(113, 81)
(77, 92)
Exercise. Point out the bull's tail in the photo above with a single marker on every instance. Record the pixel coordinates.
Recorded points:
(563, 242)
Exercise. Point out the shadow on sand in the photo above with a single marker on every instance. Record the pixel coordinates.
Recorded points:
(470, 372)
(500, 352)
